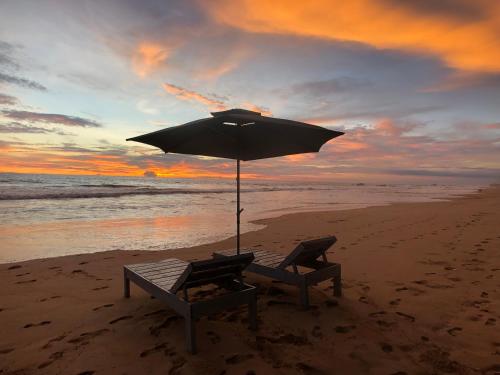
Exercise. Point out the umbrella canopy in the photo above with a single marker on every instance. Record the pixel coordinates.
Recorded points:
(241, 135)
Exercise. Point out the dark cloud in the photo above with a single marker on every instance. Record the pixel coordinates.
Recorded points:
(381, 112)
(17, 127)
(9, 63)
(109, 150)
(51, 118)
(456, 80)
(23, 82)
(6, 51)
(328, 87)
(7, 99)
(71, 147)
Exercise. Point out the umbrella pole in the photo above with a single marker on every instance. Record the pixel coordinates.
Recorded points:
(238, 211)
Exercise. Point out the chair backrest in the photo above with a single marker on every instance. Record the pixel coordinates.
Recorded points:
(208, 271)
(308, 251)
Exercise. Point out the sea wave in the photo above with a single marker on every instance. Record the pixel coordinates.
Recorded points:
(118, 191)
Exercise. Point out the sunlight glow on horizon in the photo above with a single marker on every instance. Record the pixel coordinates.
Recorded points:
(413, 84)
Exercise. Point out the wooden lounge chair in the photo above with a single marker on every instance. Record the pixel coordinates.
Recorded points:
(164, 280)
(285, 268)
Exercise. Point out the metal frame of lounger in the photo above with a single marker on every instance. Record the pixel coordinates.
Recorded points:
(166, 278)
(306, 254)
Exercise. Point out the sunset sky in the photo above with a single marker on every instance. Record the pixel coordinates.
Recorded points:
(414, 84)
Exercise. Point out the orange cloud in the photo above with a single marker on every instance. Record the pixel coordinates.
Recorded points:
(184, 170)
(148, 57)
(189, 95)
(216, 72)
(211, 102)
(299, 157)
(468, 42)
(21, 159)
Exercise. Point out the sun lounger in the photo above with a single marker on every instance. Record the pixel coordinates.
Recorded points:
(286, 268)
(164, 280)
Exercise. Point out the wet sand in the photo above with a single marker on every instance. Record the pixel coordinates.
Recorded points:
(421, 296)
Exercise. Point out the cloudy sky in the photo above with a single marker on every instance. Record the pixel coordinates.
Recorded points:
(415, 84)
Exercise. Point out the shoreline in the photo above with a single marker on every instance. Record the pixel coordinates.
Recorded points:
(260, 221)
(421, 296)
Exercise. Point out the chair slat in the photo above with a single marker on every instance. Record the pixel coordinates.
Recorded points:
(308, 251)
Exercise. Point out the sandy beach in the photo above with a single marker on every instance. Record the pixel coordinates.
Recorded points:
(421, 296)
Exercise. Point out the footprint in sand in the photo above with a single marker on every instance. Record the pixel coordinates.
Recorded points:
(155, 330)
(214, 337)
(385, 324)
(316, 332)
(176, 365)
(453, 331)
(376, 314)
(56, 339)
(43, 323)
(344, 329)
(101, 288)
(88, 372)
(490, 322)
(154, 349)
(23, 274)
(52, 358)
(406, 316)
(26, 281)
(14, 267)
(156, 312)
(386, 348)
(308, 369)
(102, 306)
(6, 351)
(238, 358)
(46, 299)
(125, 317)
(395, 302)
(363, 299)
(475, 318)
(82, 339)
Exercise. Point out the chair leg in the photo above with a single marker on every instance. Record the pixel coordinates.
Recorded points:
(337, 284)
(252, 313)
(126, 286)
(190, 334)
(304, 295)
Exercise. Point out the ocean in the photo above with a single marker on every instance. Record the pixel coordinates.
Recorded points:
(45, 216)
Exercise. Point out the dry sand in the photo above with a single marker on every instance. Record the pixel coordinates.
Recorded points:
(421, 296)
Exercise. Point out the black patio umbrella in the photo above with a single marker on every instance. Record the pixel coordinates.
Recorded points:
(241, 135)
